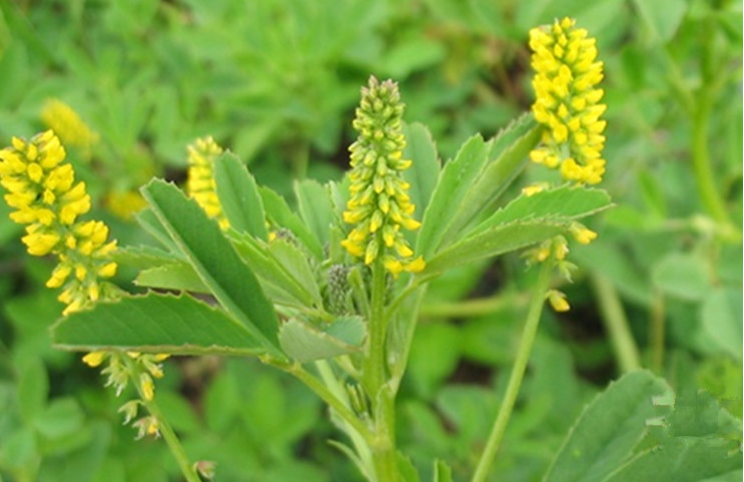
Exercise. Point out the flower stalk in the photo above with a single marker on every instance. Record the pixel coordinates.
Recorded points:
(518, 369)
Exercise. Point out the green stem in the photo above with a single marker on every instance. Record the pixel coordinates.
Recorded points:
(701, 163)
(657, 333)
(327, 396)
(616, 323)
(382, 398)
(170, 437)
(472, 307)
(360, 442)
(515, 378)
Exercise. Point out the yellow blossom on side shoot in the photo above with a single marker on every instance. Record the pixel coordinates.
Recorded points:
(558, 301)
(582, 234)
(567, 102)
(200, 184)
(43, 192)
(67, 124)
(380, 205)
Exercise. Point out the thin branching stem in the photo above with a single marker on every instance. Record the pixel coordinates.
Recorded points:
(517, 374)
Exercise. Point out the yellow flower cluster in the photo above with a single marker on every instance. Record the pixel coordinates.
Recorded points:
(68, 125)
(379, 204)
(200, 183)
(47, 200)
(149, 365)
(567, 102)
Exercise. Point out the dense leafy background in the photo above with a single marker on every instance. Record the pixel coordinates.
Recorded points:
(277, 82)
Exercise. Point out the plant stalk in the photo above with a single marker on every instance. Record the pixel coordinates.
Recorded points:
(701, 162)
(616, 323)
(657, 333)
(517, 374)
(382, 398)
(360, 441)
(327, 396)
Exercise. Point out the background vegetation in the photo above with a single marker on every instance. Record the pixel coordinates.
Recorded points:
(276, 81)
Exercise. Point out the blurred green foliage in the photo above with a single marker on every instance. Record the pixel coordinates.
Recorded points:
(276, 81)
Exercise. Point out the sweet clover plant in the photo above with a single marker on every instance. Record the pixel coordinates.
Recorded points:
(327, 287)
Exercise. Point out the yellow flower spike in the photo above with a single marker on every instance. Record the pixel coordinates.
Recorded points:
(567, 101)
(67, 124)
(47, 200)
(200, 184)
(558, 301)
(379, 205)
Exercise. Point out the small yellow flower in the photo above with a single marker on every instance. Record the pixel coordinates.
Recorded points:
(582, 234)
(147, 426)
(200, 183)
(558, 301)
(71, 129)
(380, 205)
(567, 103)
(129, 409)
(147, 386)
(94, 358)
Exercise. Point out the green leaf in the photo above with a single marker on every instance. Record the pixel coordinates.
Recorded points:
(304, 342)
(172, 276)
(609, 260)
(491, 242)
(150, 222)
(297, 267)
(62, 417)
(424, 172)
(314, 202)
(696, 441)
(238, 194)
(507, 156)
(212, 256)
(682, 275)
(457, 177)
(607, 431)
(442, 471)
(721, 319)
(278, 279)
(561, 204)
(278, 212)
(143, 257)
(33, 388)
(411, 55)
(406, 470)
(662, 17)
(695, 460)
(155, 323)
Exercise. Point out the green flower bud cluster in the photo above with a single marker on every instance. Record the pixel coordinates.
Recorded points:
(380, 204)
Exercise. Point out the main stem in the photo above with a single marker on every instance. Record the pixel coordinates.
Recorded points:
(517, 373)
(382, 398)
